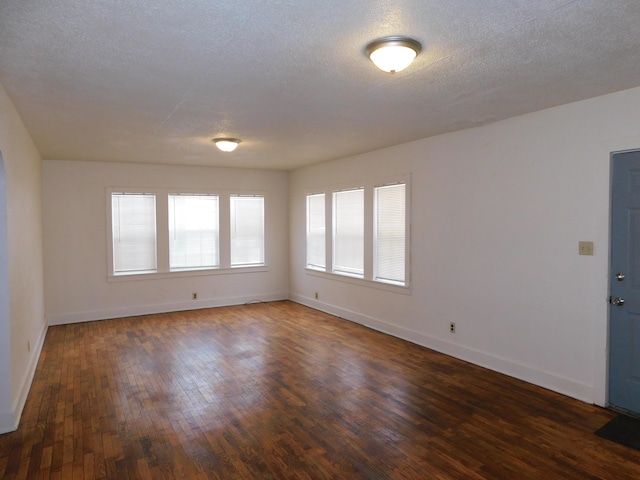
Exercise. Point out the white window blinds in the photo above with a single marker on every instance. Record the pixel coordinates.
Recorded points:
(193, 232)
(316, 256)
(348, 232)
(134, 233)
(390, 226)
(247, 230)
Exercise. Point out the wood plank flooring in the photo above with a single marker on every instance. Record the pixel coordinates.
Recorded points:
(281, 391)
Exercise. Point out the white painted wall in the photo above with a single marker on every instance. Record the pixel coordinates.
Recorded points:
(22, 323)
(497, 215)
(76, 240)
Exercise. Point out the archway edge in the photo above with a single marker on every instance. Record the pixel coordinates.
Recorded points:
(8, 420)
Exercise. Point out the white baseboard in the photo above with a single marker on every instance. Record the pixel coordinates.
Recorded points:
(550, 381)
(78, 317)
(9, 420)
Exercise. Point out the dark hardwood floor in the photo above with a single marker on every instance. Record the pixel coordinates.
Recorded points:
(282, 391)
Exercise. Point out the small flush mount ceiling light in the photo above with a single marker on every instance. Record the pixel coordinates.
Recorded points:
(226, 144)
(393, 54)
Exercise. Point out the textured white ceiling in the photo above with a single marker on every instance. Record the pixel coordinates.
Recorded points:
(153, 81)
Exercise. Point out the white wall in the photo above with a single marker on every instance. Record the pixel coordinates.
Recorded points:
(498, 212)
(77, 287)
(22, 324)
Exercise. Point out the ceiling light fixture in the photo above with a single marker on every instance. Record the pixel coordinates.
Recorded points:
(226, 144)
(393, 54)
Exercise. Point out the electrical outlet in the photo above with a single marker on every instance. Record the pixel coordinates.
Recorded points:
(316, 295)
(194, 295)
(452, 327)
(585, 248)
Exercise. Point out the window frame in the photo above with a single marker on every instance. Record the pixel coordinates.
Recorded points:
(309, 264)
(216, 264)
(335, 225)
(376, 234)
(162, 233)
(368, 279)
(112, 242)
(248, 265)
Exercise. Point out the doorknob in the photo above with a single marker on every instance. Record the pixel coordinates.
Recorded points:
(620, 276)
(618, 301)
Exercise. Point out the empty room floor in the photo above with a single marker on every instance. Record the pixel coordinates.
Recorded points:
(278, 390)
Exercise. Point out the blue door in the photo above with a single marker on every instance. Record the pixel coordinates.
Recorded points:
(624, 308)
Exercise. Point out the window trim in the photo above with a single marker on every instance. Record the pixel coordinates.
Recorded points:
(264, 231)
(363, 282)
(217, 232)
(112, 239)
(309, 264)
(342, 269)
(185, 273)
(368, 279)
(376, 231)
(162, 233)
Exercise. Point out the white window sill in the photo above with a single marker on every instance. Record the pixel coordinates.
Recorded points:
(387, 287)
(186, 273)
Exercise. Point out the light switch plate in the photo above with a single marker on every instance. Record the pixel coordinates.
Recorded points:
(585, 248)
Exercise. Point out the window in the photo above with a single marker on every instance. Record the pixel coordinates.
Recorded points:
(247, 230)
(389, 264)
(348, 232)
(316, 231)
(370, 234)
(162, 232)
(193, 232)
(133, 218)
